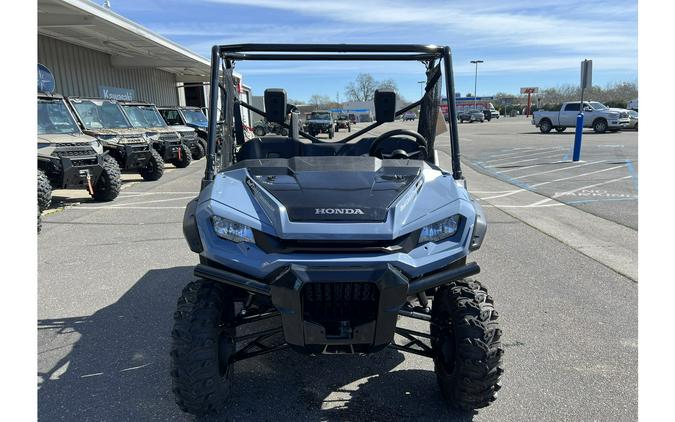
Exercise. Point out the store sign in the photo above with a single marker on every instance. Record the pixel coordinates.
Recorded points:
(45, 79)
(529, 90)
(114, 93)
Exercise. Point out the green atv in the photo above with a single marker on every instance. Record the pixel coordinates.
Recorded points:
(68, 159)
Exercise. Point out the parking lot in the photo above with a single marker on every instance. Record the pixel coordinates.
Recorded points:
(110, 274)
(604, 182)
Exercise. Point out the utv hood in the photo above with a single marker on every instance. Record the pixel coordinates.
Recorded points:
(312, 189)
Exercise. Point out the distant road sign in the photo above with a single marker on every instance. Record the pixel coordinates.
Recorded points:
(529, 90)
(586, 74)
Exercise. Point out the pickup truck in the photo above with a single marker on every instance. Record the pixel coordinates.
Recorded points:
(596, 115)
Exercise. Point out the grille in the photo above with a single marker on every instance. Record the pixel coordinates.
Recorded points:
(74, 152)
(132, 140)
(74, 144)
(81, 162)
(340, 306)
(169, 137)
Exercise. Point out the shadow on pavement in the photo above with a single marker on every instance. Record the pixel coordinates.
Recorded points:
(118, 370)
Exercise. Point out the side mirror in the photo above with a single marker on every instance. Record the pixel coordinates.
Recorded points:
(275, 105)
(385, 105)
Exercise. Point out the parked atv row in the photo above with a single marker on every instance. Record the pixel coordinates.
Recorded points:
(87, 143)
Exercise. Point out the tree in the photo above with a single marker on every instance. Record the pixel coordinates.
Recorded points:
(388, 84)
(363, 89)
(319, 100)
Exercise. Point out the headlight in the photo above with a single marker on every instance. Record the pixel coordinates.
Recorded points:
(440, 230)
(232, 231)
(152, 136)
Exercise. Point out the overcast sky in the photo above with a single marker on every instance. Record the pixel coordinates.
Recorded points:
(523, 43)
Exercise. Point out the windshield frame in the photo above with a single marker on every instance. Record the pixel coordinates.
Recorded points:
(73, 120)
(76, 101)
(143, 109)
(591, 104)
(186, 116)
(322, 113)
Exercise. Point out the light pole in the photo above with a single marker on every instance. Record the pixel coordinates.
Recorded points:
(421, 86)
(475, 83)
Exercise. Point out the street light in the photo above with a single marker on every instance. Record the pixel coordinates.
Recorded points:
(421, 86)
(475, 83)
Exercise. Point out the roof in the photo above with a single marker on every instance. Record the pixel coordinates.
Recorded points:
(96, 27)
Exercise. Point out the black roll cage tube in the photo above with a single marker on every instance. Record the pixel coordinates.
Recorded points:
(329, 52)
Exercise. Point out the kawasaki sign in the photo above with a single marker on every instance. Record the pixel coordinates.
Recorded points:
(114, 93)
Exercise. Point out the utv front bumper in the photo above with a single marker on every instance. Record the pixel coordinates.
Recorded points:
(77, 172)
(135, 156)
(338, 310)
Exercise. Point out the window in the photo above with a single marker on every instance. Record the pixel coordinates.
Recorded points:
(171, 117)
(572, 107)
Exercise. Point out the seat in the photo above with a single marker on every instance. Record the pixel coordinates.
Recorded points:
(269, 147)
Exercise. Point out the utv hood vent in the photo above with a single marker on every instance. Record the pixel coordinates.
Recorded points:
(348, 189)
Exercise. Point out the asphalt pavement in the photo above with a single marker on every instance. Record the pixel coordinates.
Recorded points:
(110, 274)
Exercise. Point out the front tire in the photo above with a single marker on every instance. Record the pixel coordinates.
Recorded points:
(465, 339)
(185, 157)
(199, 152)
(44, 191)
(155, 168)
(202, 343)
(600, 126)
(258, 131)
(331, 133)
(109, 183)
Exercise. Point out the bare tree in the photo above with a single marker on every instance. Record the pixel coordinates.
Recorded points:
(319, 100)
(388, 84)
(362, 89)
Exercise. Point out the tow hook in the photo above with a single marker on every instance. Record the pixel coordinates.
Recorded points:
(180, 157)
(90, 188)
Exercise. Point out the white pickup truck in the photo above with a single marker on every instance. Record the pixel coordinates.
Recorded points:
(596, 115)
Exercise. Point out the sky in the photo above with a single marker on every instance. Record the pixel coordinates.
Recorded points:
(522, 43)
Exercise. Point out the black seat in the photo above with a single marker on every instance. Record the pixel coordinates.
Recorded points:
(269, 147)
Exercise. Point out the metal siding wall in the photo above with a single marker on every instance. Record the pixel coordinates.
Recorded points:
(79, 71)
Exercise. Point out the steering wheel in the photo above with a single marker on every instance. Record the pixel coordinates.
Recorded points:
(398, 153)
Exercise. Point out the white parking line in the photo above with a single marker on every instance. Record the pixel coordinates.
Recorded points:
(557, 195)
(521, 161)
(558, 169)
(529, 167)
(524, 155)
(553, 181)
(520, 151)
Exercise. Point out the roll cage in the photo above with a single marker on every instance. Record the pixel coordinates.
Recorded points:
(225, 128)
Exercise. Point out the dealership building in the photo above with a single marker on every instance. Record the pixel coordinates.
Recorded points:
(94, 52)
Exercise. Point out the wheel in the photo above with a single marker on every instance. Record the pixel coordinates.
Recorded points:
(185, 157)
(155, 168)
(465, 339)
(560, 129)
(283, 131)
(44, 191)
(199, 151)
(109, 183)
(331, 133)
(201, 346)
(337, 128)
(600, 126)
(259, 131)
(349, 128)
(636, 126)
(545, 126)
(39, 223)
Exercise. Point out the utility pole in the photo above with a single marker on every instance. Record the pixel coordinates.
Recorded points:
(475, 84)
